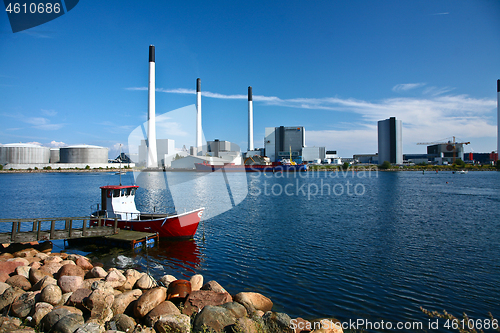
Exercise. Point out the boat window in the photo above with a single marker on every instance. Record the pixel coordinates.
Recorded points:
(132, 191)
(128, 190)
(124, 192)
(116, 193)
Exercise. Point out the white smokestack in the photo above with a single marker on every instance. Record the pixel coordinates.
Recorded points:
(152, 161)
(250, 120)
(199, 143)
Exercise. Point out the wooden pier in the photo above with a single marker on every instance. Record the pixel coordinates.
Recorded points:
(40, 229)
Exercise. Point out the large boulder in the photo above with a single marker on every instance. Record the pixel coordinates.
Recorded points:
(98, 272)
(71, 270)
(277, 322)
(69, 283)
(51, 294)
(24, 304)
(146, 281)
(69, 323)
(84, 263)
(123, 301)
(51, 268)
(197, 300)
(78, 298)
(115, 278)
(196, 282)
(36, 275)
(24, 271)
(173, 323)
(214, 286)
(254, 300)
(163, 309)
(44, 282)
(91, 327)
(132, 276)
(19, 281)
(121, 322)
(149, 300)
(218, 318)
(7, 268)
(41, 309)
(9, 296)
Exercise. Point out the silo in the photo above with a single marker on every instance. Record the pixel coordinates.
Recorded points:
(83, 154)
(23, 153)
(54, 155)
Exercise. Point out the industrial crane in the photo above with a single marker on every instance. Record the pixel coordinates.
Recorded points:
(452, 145)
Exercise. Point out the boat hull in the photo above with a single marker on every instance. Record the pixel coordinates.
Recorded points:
(180, 226)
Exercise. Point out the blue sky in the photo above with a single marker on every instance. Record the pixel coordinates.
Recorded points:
(334, 67)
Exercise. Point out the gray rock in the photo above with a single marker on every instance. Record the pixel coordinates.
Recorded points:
(68, 324)
(145, 282)
(217, 318)
(121, 322)
(51, 318)
(9, 296)
(277, 322)
(22, 307)
(173, 323)
(90, 327)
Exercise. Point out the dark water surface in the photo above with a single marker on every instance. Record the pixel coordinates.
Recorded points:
(375, 247)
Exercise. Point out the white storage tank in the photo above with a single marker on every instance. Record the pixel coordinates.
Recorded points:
(23, 153)
(83, 154)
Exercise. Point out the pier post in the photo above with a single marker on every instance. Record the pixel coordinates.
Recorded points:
(84, 230)
(14, 231)
(69, 224)
(116, 225)
(39, 230)
(52, 228)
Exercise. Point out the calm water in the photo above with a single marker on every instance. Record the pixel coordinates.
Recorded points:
(376, 246)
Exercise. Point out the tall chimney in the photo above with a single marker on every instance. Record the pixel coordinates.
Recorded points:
(498, 117)
(199, 143)
(250, 120)
(152, 161)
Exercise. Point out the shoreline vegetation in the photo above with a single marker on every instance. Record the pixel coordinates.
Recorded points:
(319, 168)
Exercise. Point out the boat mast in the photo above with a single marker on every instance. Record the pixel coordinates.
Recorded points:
(120, 158)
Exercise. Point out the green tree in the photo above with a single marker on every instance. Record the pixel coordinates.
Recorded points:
(459, 163)
(345, 166)
(384, 166)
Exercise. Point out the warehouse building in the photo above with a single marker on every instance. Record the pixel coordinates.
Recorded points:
(281, 142)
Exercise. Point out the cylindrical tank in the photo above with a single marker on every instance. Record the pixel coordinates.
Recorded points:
(54, 155)
(83, 154)
(23, 153)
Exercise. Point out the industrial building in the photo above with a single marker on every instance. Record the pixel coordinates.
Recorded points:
(281, 142)
(313, 154)
(446, 152)
(164, 148)
(366, 158)
(390, 141)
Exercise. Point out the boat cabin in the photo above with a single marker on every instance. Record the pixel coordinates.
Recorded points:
(119, 201)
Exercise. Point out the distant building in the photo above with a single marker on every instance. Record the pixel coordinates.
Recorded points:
(366, 158)
(390, 141)
(163, 147)
(447, 151)
(311, 154)
(481, 158)
(281, 142)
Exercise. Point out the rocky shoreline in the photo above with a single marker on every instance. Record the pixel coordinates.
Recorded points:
(67, 293)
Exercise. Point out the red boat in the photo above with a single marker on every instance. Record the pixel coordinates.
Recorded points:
(118, 202)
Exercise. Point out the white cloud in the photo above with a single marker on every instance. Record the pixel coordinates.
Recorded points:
(57, 144)
(407, 86)
(50, 113)
(433, 116)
